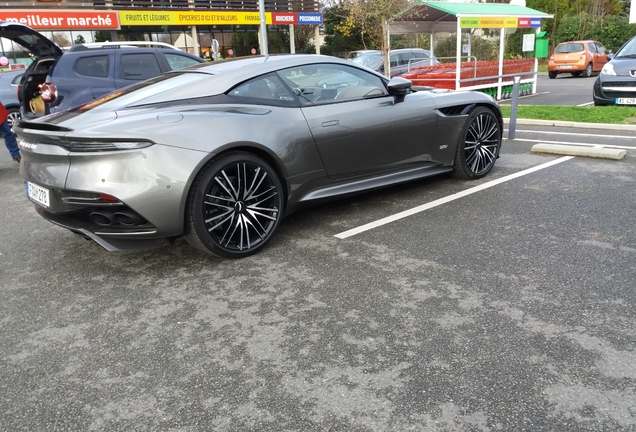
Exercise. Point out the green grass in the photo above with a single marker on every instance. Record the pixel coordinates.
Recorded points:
(586, 114)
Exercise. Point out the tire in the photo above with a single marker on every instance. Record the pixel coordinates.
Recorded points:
(479, 145)
(576, 74)
(14, 116)
(588, 71)
(234, 206)
(552, 75)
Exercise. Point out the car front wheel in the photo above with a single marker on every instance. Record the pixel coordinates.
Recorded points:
(234, 206)
(479, 145)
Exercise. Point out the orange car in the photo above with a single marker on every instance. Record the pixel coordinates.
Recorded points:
(577, 58)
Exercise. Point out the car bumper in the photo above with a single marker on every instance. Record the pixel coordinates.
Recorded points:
(615, 90)
(121, 199)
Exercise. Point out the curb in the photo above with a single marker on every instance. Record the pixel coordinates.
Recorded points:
(593, 152)
(532, 122)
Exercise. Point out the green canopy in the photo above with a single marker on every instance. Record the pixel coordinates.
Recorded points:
(441, 16)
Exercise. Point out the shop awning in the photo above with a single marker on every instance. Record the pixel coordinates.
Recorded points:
(442, 16)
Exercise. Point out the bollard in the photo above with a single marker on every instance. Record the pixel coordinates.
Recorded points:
(513, 108)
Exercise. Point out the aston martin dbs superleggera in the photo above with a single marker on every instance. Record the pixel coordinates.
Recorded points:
(220, 152)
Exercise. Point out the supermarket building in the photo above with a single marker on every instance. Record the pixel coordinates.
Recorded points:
(191, 25)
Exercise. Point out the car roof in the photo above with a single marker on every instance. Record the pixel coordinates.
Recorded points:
(234, 71)
(30, 39)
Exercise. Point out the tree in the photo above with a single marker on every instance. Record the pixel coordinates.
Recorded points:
(340, 36)
(79, 40)
(61, 39)
(102, 36)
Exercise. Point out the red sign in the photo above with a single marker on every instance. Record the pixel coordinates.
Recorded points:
(524, 23)
(63, 19)
(282, 18)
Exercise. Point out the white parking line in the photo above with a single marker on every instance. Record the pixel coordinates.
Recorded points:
(576, 134)
(577, 144)
(432, 204)
(586, 104)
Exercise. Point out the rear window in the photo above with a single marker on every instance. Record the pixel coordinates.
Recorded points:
(569, 48)
(372, 61)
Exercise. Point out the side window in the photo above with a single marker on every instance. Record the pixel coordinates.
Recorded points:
(395, 60)
(96, 66)
(178, 61)
(601, 48)
(267, 89)
(139, 66)
(317, 84)
(592, 47)
(16, 80)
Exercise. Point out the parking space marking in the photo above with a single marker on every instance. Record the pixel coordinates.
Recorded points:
(438, 202)
(575, 134)
(577, 144)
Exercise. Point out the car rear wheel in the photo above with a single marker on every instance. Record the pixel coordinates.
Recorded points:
(552, 75)
(588, 71)
(234, 206)
(479, 145)
(14, 116)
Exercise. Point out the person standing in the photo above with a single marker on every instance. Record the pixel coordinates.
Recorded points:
(8, 135)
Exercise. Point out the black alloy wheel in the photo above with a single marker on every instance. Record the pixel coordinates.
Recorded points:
(234, 206)
(479, 145)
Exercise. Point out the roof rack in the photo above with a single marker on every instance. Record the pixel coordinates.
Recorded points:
(122, 44)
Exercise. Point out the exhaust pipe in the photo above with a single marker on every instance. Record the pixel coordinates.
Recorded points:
(128, 218)
(103, 219)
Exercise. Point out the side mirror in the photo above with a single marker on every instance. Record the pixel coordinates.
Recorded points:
(610, 56)
(399, 87)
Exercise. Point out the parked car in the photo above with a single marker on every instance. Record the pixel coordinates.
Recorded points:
(58, 80)
(402, 60)
(354, 54)
(220, 152)
(9, 81)
(616, 84)
(579, 58)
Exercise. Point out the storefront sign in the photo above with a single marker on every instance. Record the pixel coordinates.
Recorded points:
(283, 18)
(499, 22)
(153, 18)
(63, 19)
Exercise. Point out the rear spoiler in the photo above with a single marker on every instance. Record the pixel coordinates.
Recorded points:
(34, 125)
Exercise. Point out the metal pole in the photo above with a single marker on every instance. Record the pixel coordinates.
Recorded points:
(512, 126)
(264, 42)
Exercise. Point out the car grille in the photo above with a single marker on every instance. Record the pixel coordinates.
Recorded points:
(619, 89)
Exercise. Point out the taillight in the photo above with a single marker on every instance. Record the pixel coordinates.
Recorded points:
(49, 92)
(19, 93)
(552, 57)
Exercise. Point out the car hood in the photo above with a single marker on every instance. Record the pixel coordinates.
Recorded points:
(623, 66)
(30, 39)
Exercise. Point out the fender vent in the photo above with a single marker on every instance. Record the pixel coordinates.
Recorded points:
(455, 110)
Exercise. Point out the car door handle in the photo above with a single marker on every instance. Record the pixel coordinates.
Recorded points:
(330, 123)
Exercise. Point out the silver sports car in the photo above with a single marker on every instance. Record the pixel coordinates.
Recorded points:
(219, 153)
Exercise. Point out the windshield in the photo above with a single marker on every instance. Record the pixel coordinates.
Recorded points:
(628, 50)
(569, 48)
(372, 60)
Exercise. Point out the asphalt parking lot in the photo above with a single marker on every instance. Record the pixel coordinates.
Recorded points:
(509, 308)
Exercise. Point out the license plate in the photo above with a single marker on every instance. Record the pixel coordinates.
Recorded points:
(625, 101)
(38, 194)
(565, 67)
